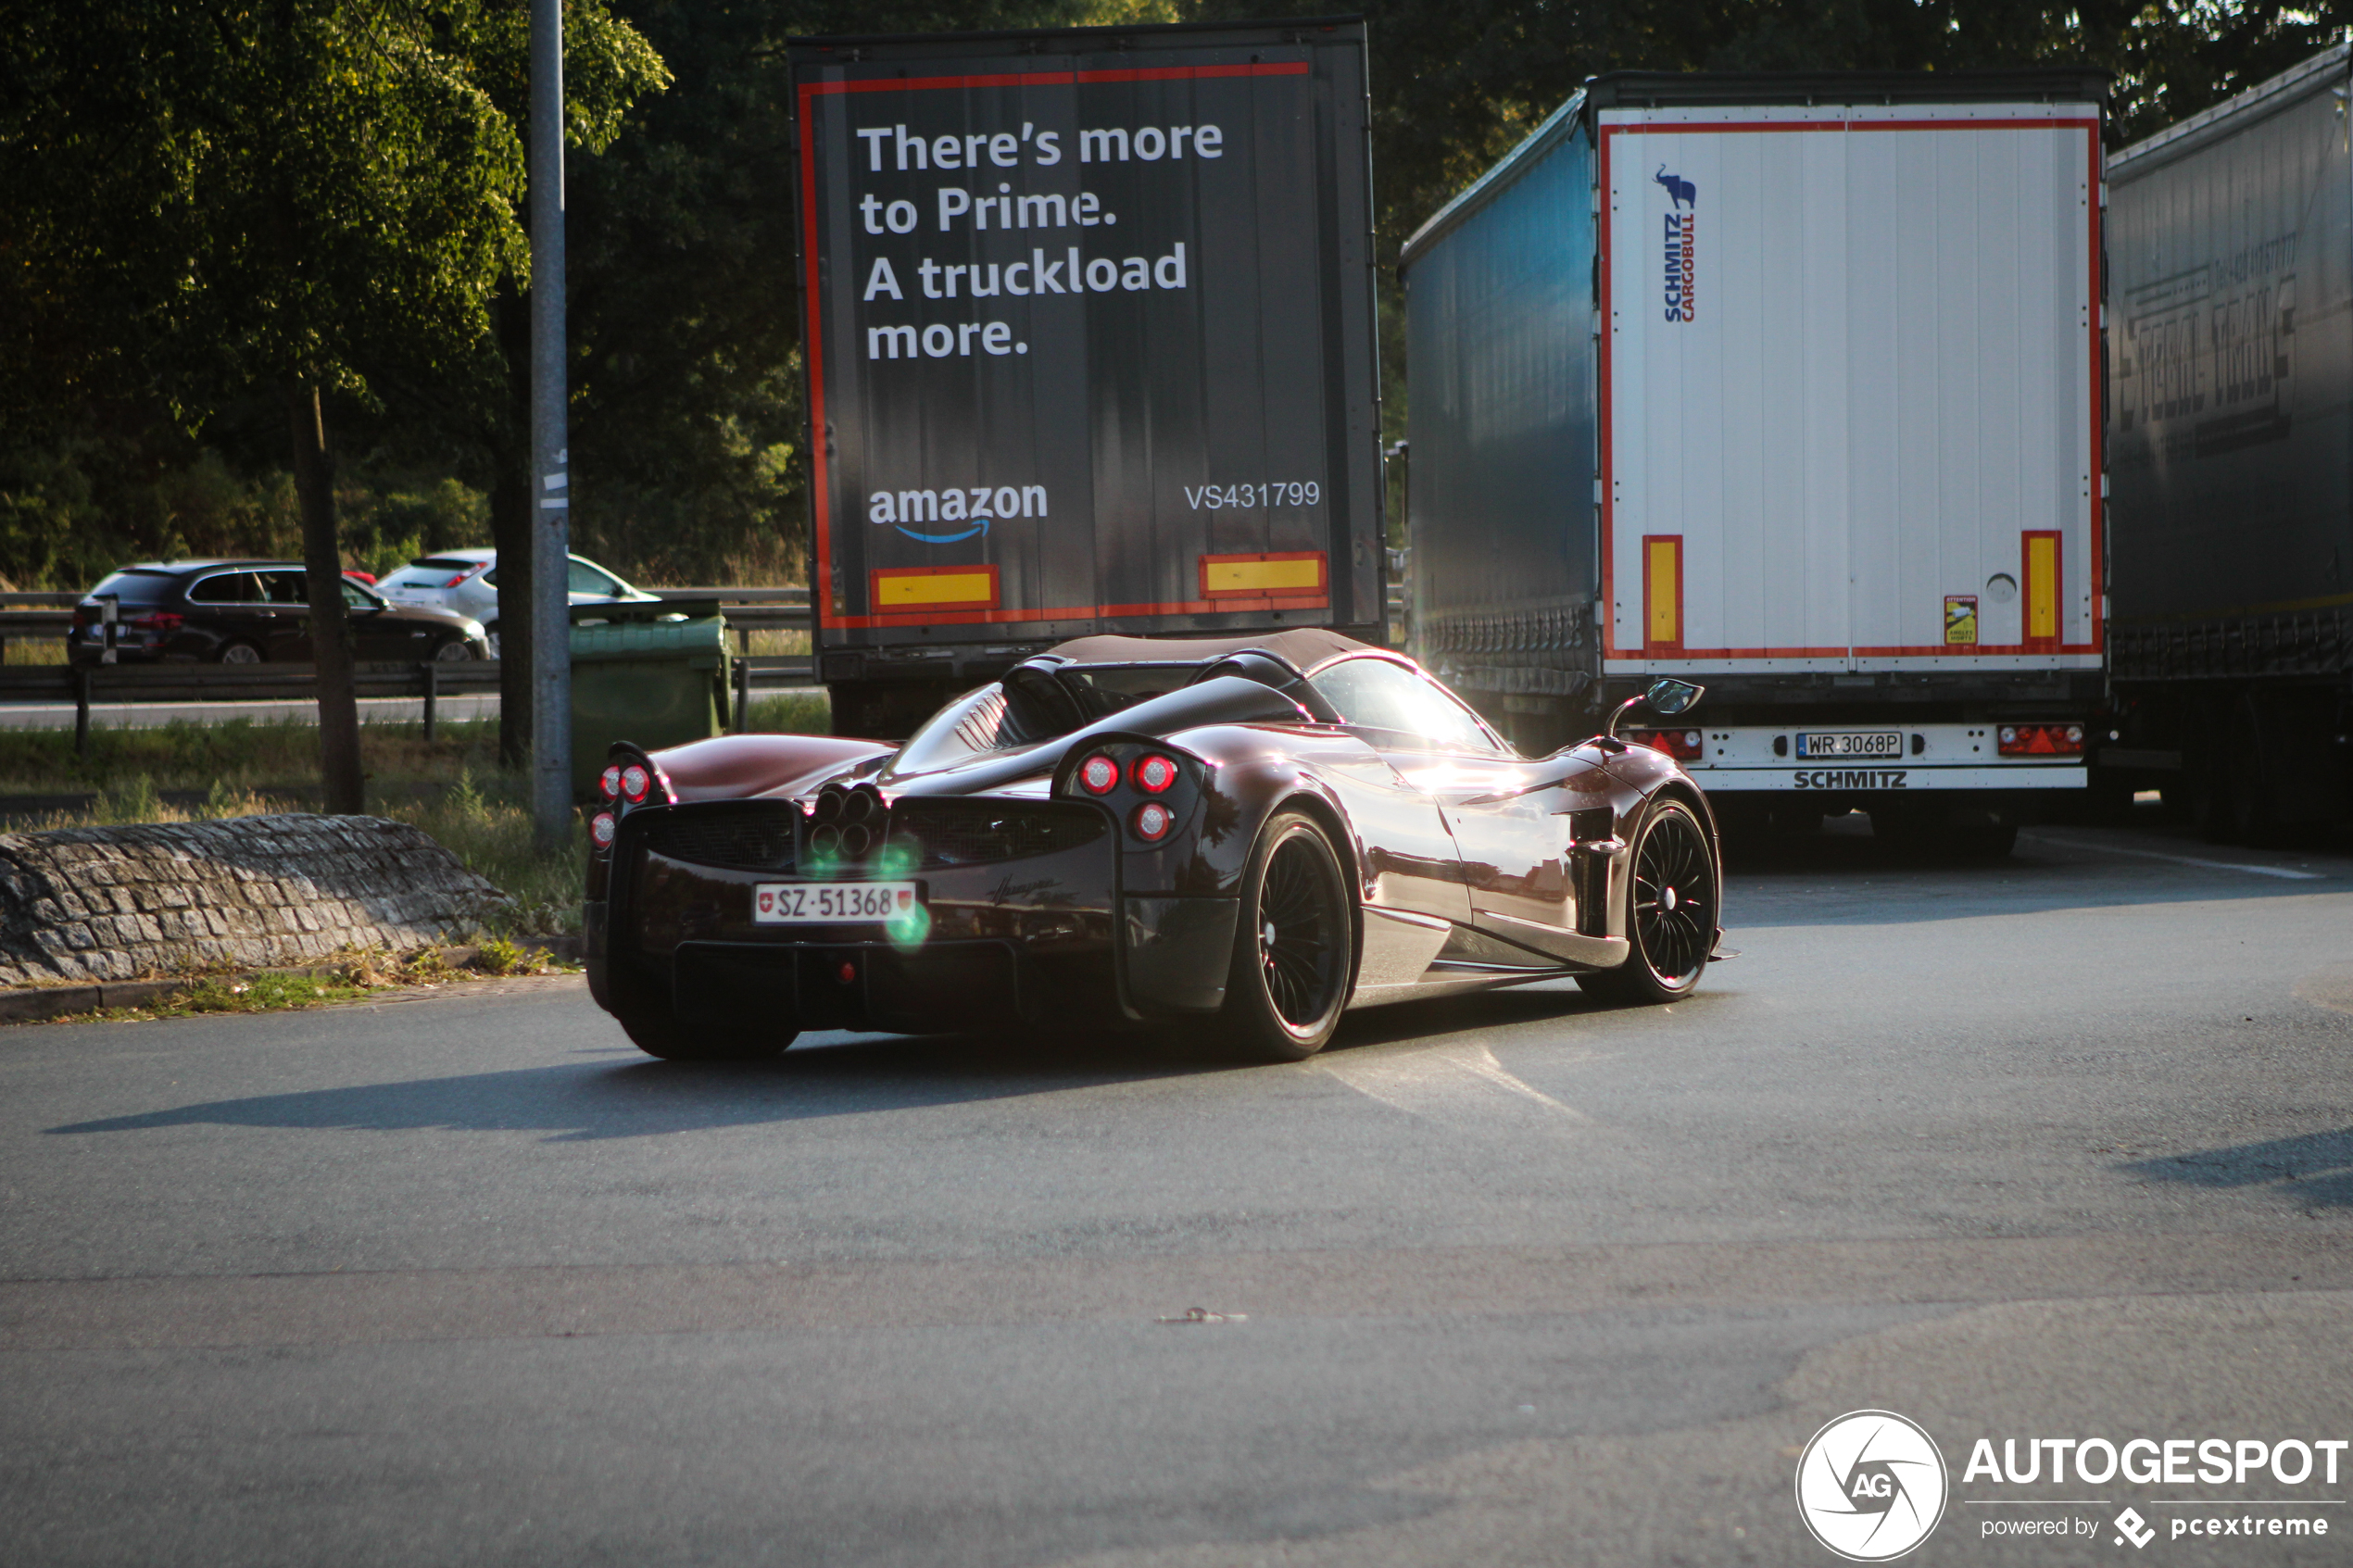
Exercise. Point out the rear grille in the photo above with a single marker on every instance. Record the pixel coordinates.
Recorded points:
(970, 832)
(742, 839)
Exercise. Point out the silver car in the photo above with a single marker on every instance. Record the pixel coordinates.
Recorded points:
(467, 582)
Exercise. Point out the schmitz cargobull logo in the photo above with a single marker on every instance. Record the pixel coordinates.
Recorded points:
(1681, 245)
(1870, 1486)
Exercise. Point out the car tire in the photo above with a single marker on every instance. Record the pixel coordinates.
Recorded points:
(1673, 897)
(457, 650)
(1294, 946)
(658, 1034)
(238, 653)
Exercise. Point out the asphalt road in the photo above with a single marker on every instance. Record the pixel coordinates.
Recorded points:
(2057, 1148)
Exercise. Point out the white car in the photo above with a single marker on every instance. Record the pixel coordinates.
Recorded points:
(467, 582)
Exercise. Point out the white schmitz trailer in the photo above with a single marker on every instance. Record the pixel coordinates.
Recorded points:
(1790, 386)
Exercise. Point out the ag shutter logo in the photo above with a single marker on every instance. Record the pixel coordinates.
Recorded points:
(1870, 1486)
(1681, 245)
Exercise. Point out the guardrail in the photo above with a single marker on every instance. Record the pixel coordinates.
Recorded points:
(91, 683)
(86, 684)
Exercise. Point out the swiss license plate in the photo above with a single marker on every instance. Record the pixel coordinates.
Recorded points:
(831, 903)
(1851, 743)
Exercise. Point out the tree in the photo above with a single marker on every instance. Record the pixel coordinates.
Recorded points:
(301, 196)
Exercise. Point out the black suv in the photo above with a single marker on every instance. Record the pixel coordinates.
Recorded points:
(246, 611)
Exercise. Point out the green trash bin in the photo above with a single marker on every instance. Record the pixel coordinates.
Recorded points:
(654, 681)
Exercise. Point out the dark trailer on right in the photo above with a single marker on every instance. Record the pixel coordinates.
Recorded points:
(2230, 460)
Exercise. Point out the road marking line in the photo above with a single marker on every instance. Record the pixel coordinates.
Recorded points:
(2183, 860)
(1435, 1082)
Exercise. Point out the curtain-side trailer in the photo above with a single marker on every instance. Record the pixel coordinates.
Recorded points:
(1090, 342)
(1788, 384)
(2231, 442)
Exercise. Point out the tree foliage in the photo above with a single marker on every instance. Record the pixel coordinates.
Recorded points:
(127, 371)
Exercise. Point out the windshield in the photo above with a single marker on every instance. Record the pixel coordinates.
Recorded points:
(1414, 711)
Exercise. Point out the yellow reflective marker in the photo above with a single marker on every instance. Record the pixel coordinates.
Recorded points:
(1291, 572)
(1663, 590)
(925, 590)
(2042, 587)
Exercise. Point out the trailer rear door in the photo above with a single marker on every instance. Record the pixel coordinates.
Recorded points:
(1850, 387)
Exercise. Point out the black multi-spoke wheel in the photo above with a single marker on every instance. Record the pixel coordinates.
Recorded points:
(1292, 945)
(1672, 911)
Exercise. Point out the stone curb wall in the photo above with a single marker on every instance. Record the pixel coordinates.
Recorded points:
(109, 903)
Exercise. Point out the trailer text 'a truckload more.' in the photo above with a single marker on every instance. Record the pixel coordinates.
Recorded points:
(1089, 346)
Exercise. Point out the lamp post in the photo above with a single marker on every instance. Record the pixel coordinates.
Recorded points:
(551, 459)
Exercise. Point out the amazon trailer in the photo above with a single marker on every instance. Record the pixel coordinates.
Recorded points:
(1090, 345)
(1789, 385)
(2230, 266)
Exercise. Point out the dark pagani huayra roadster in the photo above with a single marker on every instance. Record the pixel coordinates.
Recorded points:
(1242, 837)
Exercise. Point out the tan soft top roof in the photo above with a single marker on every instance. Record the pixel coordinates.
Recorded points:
(1304, 647)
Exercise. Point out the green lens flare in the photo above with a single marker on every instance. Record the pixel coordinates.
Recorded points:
(909, 928)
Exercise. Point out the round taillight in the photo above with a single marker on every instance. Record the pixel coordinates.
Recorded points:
(1152, 822)
(1690, 738)
(845, 973)
(609, 783)
(2075, 734)
(634, 782)
(2010, 735)
(1155, 773)
(600, 828)
(1098, 774)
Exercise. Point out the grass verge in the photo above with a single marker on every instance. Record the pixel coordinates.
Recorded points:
(356, 976)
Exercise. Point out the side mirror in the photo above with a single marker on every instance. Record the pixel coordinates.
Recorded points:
(1667, 697)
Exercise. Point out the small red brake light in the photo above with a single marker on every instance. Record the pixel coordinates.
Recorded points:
(455, 581)
(1152, 822)
(634, 782)
(609, 783)
(1154, 774)
(601, 830)
(1681, 745)
(1098, 774)
(2041, 740)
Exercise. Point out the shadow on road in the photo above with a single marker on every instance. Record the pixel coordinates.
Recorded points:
(2315, 1169)
(644, 1099)
(861, 1075)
